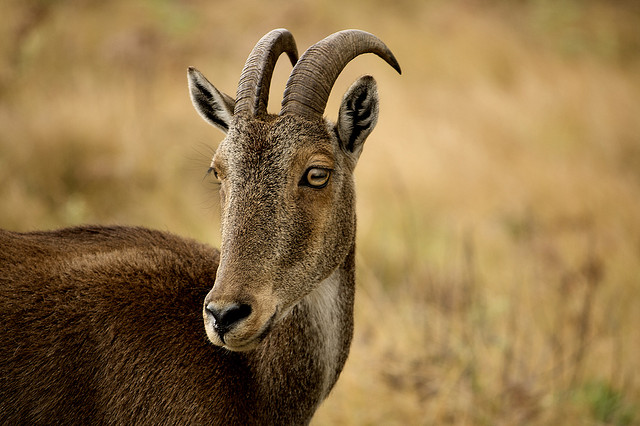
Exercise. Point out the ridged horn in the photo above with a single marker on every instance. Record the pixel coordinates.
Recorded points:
(253, 89)
(312, 78)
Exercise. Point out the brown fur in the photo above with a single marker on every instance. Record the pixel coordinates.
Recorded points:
(103, 325)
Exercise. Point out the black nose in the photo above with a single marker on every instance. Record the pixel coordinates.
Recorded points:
(226, 317)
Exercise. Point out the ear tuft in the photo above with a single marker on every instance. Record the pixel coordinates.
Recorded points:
(214, 106)
(358, 114)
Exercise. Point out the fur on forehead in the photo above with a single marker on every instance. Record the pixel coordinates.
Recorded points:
(275, 132)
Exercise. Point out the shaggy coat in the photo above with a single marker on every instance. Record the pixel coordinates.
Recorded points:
(104, 325)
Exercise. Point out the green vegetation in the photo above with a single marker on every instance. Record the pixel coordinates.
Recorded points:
(499, 196)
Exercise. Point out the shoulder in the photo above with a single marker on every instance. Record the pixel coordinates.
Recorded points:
(101, 250)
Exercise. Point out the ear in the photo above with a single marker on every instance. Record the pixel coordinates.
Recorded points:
(358, 114)
(212, 105)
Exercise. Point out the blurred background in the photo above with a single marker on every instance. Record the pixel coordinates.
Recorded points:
(498, 198)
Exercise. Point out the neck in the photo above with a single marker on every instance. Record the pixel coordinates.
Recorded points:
(330, 316)
(305, 353)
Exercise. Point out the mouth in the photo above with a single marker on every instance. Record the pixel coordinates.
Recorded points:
(242, 345)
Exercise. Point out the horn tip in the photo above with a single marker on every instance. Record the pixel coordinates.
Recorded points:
(396, 66)
(292, 52)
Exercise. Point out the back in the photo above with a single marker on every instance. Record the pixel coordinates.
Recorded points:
(77, 300)
(104, 325)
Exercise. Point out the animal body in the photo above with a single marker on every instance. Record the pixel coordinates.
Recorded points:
(124, 325)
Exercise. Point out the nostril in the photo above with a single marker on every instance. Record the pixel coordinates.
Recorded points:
(234, 314)
(227, 316)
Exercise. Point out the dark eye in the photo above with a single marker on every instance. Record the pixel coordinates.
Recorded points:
(316, 177)
(212, 170)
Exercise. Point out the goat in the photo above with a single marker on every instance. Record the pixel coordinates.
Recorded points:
(105, 324)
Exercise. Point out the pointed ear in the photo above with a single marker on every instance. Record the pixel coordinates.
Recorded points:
(214, 106)
(358, 114)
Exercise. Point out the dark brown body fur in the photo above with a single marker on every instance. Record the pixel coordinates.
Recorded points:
(104, 325)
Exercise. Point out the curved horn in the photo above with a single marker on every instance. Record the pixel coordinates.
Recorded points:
(253, 89)
(312, 78)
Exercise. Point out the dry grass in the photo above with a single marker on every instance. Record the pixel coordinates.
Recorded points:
(499, 197)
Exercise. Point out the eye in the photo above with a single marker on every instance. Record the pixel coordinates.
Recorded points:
(212, 169)
(316, 177)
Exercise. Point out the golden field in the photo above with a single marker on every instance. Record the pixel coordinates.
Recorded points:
(498, 197)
